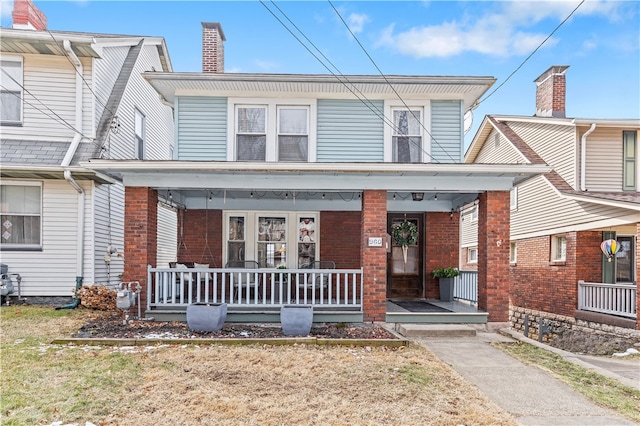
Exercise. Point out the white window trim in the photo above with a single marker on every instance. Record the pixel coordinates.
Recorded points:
(469, 250)
(389, 106)
(27, 246)
(137, 111)
(513, 249)
(513, 198)
(474, 214)
(271, 124)
(19, 59)
(554, 248)
(251, 233)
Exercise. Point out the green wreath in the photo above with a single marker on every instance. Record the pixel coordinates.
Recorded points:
(405, 233)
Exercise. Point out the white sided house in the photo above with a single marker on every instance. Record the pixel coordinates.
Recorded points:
(68, 97)
(560, 219)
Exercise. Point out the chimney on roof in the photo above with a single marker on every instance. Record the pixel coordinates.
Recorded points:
(551, 92)
(212, 47)
(27, 16)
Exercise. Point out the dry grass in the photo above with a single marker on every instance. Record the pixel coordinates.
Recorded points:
(254, 385)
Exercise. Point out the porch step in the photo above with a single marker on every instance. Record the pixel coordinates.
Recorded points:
(436, 330)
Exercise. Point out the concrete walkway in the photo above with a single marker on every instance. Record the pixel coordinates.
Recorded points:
(532, 396)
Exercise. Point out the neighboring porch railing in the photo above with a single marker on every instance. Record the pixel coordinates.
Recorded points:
(465, 286)
(240, 287)
(613, 299)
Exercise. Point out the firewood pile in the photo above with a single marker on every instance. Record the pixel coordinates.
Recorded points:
(97, 297)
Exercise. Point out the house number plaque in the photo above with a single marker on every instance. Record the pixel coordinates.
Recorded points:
(375, 241)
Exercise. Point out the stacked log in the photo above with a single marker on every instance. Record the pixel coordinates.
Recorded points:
(97, 297)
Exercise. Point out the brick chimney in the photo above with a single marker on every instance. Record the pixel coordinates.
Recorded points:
(551, 92)
(27, 16)
(212, 47)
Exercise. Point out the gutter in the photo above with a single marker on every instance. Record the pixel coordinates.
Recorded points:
(583, 157)
(69, 177)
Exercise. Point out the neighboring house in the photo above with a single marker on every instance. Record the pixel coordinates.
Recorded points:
(559, 219)
(68, 97)
(288, 170)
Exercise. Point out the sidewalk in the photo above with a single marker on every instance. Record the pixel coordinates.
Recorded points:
(532, 396)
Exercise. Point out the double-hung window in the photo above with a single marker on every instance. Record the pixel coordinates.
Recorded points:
(139, 130)
(629, 150)
(11, 91)
(251, 133)
(558, 248)
(293, 133)
(21, 215)
(406, 141)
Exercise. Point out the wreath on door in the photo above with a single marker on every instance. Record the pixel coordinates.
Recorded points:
(404, 234)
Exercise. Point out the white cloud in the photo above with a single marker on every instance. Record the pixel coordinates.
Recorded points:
(265, 66)
(357, 21)
(505, 32)
(6, 7)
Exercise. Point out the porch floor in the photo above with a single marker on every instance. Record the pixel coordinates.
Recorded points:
(458, 312)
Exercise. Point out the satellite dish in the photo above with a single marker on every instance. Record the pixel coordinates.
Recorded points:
(468, 121)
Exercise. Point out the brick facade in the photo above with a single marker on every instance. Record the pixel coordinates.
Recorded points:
(493, 254)
(441, 247)
(140, 235)
(193, 226)
(374, 259)
(340, 238)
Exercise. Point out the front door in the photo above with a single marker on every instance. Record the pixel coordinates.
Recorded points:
(405, 275)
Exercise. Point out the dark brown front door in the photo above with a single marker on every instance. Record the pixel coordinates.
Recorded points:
(405, 276)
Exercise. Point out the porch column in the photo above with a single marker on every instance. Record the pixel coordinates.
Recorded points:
(374, 259)
(494, 213)
(140, 236)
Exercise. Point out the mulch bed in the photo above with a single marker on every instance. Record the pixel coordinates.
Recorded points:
(111, 325)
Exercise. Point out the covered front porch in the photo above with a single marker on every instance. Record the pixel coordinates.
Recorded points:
(284, 217)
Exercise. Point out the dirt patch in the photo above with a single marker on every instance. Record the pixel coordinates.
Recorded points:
(110, 325)
(593, 344)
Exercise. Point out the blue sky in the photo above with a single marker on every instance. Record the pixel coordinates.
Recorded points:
(600, 43)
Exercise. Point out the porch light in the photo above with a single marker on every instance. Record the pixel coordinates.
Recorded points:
(417, 196)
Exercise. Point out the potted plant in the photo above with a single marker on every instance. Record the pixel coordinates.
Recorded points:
(296, 320)
(446, 278)
(206, 317)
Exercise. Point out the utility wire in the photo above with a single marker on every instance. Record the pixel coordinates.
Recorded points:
(378, 113)
(530, 55)
(388, 82)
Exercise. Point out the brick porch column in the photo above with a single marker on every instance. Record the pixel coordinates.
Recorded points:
(140, 236)
(374, 259)
(494, 214)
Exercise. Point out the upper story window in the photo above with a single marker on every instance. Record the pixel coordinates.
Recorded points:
(474, 214)
(629, 149)
(282, 130)
(139, 130)
(513, 195)
(11, 91)
(21, 211)
(406, 141)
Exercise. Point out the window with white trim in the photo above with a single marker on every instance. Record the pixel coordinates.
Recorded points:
(139, 131)
(272, 130)
(513, 252)
(11, 91)
(21, 215)
(474, 214)
(558, 248)
(472, 255)
(513, 198)
(406, 143)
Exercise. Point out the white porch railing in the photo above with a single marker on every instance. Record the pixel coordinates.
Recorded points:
(465, 286)
(614, 299)
(240, 287)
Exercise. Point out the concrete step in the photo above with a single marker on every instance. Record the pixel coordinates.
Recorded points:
(435, 330)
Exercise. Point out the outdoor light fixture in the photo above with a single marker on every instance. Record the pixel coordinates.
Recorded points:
(435, 198)
(417, 196)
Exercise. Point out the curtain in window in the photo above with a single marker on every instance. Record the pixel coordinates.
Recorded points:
(20, 207)
(251, 138)
(407, 144)
(293, 139)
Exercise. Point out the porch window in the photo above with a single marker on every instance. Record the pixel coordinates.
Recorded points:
(625, 259)
(272, 241)
(251, 133)
(407, 136)
(11, 91)
(293, 133)
(21, 215)
(558, 248)
(236, 241)
(139, 130)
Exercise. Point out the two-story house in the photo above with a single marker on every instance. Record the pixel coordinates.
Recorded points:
(273, 171)
(67, 97)
(560, 219)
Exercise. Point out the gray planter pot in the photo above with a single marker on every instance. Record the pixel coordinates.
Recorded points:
(296, 320)
(206, 317)
(446, 289)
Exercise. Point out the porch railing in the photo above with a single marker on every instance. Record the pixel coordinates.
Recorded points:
(613, 299)
(246, 288)
(465, 286)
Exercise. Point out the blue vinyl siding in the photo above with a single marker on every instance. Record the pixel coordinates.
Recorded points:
(446, 131)
(201, 128)
(348, 131)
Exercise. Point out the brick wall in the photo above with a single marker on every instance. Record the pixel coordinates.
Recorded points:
(340, 238)
(140, 235)
(538, 283)
(212, 48)
(442, 247)
(550, 96)
(374, 259)
(193, 247)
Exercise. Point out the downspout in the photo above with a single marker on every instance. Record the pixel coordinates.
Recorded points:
(69, 178)
(583, 157)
